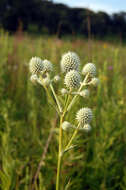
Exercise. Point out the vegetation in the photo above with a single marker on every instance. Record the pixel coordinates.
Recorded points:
(44, 16)
(26, 120)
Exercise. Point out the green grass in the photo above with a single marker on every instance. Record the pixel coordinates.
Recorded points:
(26, 119)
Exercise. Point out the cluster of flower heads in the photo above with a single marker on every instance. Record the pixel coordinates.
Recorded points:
(70, 67)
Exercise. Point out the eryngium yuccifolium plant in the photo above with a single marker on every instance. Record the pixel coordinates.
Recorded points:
(72, 79)
(63, 99)
(89, 68)
(70, 61)
(48, 67)
(35, 65)
(84, 116)
(84, 93)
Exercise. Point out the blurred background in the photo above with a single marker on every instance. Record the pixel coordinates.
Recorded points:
(96, 31)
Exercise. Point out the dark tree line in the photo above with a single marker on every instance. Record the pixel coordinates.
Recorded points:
(59, 19)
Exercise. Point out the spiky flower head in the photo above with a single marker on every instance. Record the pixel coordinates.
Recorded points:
(56, 78)
(64, 91)
(35, 65)
(48, 67)
(84, 93)
(84, 116)
(46, 81)
(34, 78)
(95, 81)
(87, 127)
(89, 68)
(66, 126)
(70, 61)
(72, 79)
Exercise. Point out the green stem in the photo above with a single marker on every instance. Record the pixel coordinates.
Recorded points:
(73, 136)
(59, 155)
(55, 96)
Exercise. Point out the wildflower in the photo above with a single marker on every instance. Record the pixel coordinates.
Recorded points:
(84, 116)
(66, 126)
(56, 78)
(72, 79)
(70, 61)
(48, 67)
(84, 93)
(35, 65)
(89, 68)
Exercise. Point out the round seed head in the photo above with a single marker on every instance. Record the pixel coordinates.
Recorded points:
(72, 79)
(84, 116)
(70, 61)
(84, 93)
(64, 91)
(89, 68)
(95, 81)
(87, 127)
(56, 78)
(34, 78)
(48, 67)
(46, 81)
(35, 65)
(66, 126)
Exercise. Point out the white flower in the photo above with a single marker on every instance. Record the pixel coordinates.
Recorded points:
(84, 116)
(89, 68)
(56, 78)
(84, 93)
(34, 78)
(35, 65)
(48, 67)
(87, 127)
(72, 79)
(64, 91)
(95, 81)
(66, 126)
(70, 61)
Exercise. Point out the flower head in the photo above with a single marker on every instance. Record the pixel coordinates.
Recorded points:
(66, 126)
(48, 67)
(70, 61)
(89, 68)
(72, 79)
(84, 116)
(84, 93)
(56, 78)
(35, 65)
(95, 81)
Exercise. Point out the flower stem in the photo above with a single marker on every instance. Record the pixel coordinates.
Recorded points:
(55, 96)
(59, 155)
(73, 136)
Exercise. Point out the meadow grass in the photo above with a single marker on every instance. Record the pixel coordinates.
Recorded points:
(26, 120)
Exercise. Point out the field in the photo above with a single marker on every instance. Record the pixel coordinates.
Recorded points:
(26, 118)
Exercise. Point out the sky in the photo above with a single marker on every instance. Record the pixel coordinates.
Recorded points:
(109, 6)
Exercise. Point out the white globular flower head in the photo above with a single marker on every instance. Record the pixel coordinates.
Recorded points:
(84, 116)
(72, 79)
(48, 67)
(64, 91)
(34, 78)
(89, 68)
(35, 65)
(85, 93)
(95, 81)
(87, 127)
(70, 61)
(46, 81)
(56, 78)
(66, 126)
